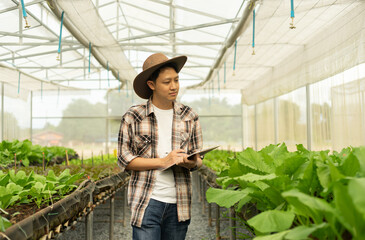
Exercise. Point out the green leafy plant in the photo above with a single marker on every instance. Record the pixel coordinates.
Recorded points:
(96, 160)
(30, 154)
(4, 222)
(300, 195)
(19, 187)
(217, 159)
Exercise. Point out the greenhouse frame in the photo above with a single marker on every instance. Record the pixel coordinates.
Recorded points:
(299, 87)
(259, 72)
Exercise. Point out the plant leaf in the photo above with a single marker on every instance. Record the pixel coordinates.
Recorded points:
(308, 206)
(4, 223)
(276, 236)
(356, 189)
(272, 221)
(359, 152)
(226, 198)
(302, 232)
(254, 160)
(251, 177)
(350, 165)
(349, 216)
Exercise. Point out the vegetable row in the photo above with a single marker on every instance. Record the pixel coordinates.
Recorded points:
(299, 195)
(12, 152)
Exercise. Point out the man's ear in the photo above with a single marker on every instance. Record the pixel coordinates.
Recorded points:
(151, 84)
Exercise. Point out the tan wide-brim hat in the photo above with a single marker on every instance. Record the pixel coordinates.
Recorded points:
(152, 63)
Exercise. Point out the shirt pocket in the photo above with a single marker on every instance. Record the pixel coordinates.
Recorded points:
(143, 145)
(185, 132)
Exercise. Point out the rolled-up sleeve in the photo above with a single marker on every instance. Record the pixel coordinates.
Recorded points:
(125, 145)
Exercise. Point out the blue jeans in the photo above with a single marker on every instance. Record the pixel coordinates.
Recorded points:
(160, 222)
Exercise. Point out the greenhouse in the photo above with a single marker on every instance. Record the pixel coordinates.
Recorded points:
(277, 85)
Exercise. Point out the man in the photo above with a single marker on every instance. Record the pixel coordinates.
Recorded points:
(153, 136)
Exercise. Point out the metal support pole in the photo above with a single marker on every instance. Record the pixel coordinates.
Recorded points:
(203, 196)
(89, 223)
(117, 8)
(125, 200)
(107, 124)
(217, 223)
(84, 62)
(200, 187)
(209, 214)
(232, 224)
(242, 122)
(256, 128)
(194, 183)
(20, 25)
(31, 116)
(2, 111)
(276, 122)
(309, 124)
(111, 226)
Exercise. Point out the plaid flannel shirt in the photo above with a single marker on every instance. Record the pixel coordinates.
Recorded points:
(138, 137)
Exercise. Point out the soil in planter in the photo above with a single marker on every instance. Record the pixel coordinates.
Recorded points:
(20, 212)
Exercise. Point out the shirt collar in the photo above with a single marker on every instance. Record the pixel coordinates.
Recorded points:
(149, 108)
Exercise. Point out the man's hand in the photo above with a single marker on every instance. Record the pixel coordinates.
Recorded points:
(174, 157)
(191, 162)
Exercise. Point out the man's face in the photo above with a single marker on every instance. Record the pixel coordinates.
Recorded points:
(166, 86)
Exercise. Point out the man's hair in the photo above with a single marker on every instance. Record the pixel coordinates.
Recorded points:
(156, 73)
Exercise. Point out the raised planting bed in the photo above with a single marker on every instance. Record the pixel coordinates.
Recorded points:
(24, 153)
(55, 218)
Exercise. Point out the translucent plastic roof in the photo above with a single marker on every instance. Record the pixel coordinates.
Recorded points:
(216, 35)
(125, 32)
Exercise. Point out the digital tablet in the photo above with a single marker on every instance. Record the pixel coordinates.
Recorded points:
(201, 152)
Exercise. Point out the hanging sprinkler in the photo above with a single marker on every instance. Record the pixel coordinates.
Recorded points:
(292, 15)
(107, 67)
(234, 60)
(89, 57)
(58, 58)
(119, 83)
(224, 85)
(253, 31)
(19, 83)
(219, 84)
(25, 15)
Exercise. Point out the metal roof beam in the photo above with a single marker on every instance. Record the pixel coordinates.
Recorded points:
(172, 27)
(38, 43)
(64, 42)
(135, 44)
(191, 74)
(16, 7)
(168, 52)
(250, 5)
(146, 31)
(191, 10)
(204, 25)
(39, 54)
(105, 79)
(98, 68)
(37, 19)
(57, 66)
(145, 9)
(27, 36)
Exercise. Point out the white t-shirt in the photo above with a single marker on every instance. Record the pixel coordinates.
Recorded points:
(164, 189)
